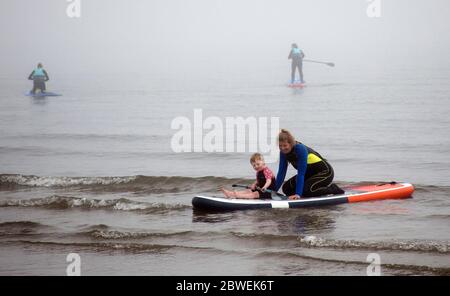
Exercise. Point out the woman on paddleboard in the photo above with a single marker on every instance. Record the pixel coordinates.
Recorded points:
(314, 173)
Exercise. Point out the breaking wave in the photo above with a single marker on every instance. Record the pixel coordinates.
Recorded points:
(422, 246)
(148, 184)
(66, 202)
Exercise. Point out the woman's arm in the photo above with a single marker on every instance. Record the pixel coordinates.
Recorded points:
(282, 168)
(269, 176)
(302, 154)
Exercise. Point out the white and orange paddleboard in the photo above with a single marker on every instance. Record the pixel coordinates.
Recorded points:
(357, 193)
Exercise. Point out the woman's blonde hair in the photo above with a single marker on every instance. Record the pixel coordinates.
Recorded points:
(286, 136)
(255, 157)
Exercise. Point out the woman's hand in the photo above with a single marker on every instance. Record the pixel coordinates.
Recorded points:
(294, 197)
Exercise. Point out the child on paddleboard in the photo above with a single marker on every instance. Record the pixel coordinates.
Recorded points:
(265, 179)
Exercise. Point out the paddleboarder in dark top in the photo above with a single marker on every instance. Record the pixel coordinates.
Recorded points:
(39, 77)
(296, 55)
(314, 173)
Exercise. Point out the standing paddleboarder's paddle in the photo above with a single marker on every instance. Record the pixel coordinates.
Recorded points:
(319, 62)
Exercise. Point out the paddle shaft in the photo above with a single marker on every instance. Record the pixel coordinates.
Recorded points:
(319, 62)
(267, 190)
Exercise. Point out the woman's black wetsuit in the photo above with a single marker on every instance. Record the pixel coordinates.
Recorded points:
(314, 173)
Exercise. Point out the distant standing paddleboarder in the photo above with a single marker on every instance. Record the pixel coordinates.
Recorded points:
(296, 55)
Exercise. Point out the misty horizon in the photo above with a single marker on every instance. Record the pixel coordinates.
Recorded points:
(219, 36)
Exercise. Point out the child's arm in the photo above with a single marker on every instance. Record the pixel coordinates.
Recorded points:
(269, 176)
(253, 186)
(268, 183)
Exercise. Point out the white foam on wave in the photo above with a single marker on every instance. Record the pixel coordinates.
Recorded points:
(418, 246)
(66, 202)
(76, 202)
(63, 181)
(123, 206)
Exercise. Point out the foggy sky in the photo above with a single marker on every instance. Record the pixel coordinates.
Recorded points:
(145, 36)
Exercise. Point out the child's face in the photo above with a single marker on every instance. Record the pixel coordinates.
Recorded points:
(258, 164)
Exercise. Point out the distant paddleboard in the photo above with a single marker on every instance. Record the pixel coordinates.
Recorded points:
(297, 84)
(42, 94)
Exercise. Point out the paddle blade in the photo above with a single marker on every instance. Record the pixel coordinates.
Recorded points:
(281, 196)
